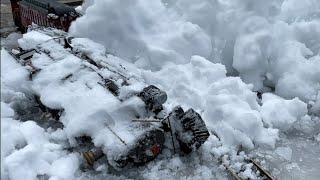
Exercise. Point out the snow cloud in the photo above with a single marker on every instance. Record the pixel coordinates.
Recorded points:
(144, 32)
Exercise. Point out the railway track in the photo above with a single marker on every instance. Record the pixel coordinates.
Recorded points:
(254, 165)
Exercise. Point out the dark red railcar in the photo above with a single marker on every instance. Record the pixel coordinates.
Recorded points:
(47, 13)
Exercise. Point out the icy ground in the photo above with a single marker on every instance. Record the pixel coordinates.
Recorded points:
(212, 56)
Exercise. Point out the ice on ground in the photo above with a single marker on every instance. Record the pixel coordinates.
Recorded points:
(284, 152)
(303, 163)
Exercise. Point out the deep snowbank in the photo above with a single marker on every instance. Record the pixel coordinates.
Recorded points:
(273, 44)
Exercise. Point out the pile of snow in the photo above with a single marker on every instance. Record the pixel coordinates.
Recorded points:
(228, 105)
(27, 151)
(272, 45)
(144, 32)
(280, 113)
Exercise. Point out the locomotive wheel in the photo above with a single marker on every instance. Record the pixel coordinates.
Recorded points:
(188, 127)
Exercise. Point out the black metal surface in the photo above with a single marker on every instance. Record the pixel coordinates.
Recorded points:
(147, 148)
(153, 98)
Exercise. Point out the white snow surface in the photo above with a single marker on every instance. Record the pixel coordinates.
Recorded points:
(280, 113)
(26, 149)
(284, 152)
(228, 105)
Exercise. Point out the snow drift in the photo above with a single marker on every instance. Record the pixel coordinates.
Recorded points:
(272, 45)
(144, 32)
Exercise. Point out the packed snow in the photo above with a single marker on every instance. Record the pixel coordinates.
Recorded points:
(216, 57)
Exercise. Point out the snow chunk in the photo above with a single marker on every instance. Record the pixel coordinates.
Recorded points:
(317, 137)
(26, 146)
(280, 113)
(32, 39)
(64, 167)
(6, 111)
(316, 105)
(13, 74)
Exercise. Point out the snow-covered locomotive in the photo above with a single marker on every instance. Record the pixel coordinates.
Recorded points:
(142, 135)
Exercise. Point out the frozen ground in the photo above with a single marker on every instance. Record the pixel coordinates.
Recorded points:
(212, 56)
(296, 157)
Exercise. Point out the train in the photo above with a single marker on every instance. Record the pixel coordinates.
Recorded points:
(47, 13)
